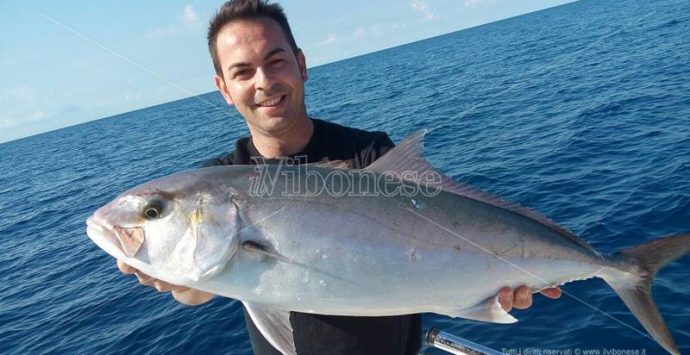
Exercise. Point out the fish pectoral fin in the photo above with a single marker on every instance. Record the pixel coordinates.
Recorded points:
(487, 311)
(264, 251)
(274, 325)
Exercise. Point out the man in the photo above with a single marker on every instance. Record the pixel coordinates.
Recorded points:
(261, 71)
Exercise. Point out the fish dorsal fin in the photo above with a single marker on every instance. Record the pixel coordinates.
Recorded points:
(274, 325)
(405, 162)
(403, 157)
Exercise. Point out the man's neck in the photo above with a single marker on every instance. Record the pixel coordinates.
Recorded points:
(286, 143)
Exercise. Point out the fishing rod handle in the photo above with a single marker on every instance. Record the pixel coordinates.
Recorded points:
(456, 345)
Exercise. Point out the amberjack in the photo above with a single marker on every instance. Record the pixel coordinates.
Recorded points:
(395, 238)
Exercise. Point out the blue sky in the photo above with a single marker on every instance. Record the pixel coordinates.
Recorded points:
(67, 62)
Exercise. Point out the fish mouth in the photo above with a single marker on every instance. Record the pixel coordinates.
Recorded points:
(115, 240)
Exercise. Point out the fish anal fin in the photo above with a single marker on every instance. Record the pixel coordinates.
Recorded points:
(274, 325)
(488, 310)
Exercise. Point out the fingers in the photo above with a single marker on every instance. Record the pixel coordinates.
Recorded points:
(522, 297)
(505, 298)
(147, 280)
(144, 279)
(182, 294)
(553, 292)
(124, 268)
(160, 286)
(192, 297)
(519, 298)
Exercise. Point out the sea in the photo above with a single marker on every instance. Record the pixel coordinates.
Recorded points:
(580, 112)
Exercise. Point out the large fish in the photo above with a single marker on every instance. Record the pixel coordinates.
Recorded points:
(395, 238)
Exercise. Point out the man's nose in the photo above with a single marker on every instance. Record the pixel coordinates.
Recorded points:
(264, 79)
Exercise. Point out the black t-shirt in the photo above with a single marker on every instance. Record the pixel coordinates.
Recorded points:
(322, 334)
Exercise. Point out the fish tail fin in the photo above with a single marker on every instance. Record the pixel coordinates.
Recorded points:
(643, 262)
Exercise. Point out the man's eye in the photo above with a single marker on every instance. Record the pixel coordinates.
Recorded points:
(241, 74)
(278, 63)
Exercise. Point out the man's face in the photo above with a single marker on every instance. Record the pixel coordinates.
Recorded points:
(262, 76)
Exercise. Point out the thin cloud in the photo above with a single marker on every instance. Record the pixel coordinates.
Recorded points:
(188, 20)
(190, 16)
(423, 8)
(332, 38)
(28, 104)
(18, 93)
(7, 122)
(478, 3)
(374, 30)
(360, 33)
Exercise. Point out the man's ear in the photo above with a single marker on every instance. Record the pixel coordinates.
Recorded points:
(220, 84)
(302, 62)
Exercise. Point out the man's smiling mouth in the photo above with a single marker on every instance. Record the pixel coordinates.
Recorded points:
(271, 102)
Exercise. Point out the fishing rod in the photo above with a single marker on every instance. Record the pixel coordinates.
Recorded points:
(456, 345)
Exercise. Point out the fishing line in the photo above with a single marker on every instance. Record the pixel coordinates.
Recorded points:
(126, 59)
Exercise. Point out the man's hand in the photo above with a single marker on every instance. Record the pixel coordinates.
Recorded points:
(185, 295)
(521, 297)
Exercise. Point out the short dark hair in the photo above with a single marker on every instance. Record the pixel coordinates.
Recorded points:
(234, 10)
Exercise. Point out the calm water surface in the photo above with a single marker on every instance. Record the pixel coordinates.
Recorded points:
(581, 112)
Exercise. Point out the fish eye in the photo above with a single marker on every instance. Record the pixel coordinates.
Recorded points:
(153, 210)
